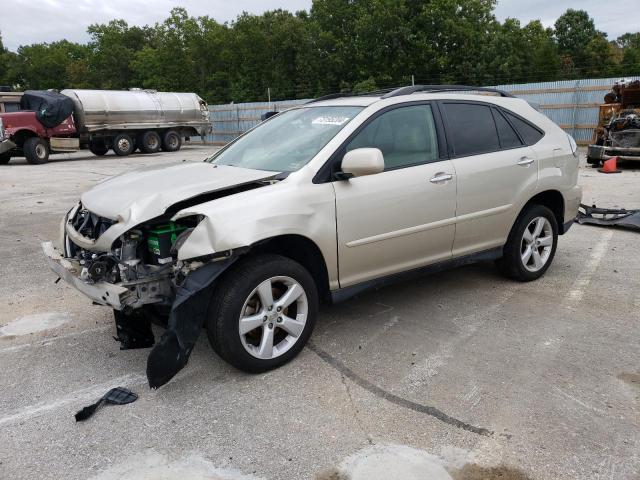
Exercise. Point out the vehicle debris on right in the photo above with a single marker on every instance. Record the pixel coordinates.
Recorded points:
(618, 132)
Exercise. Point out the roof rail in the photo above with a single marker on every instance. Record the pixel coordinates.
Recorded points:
(443, 88)
(331, 96)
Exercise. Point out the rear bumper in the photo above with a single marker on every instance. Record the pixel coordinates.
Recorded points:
(103, 293)
(7, 145)
(596, 153)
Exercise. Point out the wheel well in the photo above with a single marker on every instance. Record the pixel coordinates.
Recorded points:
(554, 201)
(21, 136)
(303, 251)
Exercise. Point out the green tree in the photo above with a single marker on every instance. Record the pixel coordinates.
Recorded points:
(574, 29)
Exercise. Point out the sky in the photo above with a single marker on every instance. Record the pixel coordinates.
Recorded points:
(24, 22)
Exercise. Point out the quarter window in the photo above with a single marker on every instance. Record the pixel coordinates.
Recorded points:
(471, 128)
(406, 136)
(529, 133)
(508, 136)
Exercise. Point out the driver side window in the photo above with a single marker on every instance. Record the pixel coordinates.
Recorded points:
(406, 136)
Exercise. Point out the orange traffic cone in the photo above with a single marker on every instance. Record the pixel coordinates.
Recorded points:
(610, 166)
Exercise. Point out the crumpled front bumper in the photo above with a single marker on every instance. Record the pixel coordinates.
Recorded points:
(7, 145)
(104, 293)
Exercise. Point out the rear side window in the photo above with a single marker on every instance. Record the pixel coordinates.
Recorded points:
(11, 107)
(528, 132)
(508, 136)
(471, 128)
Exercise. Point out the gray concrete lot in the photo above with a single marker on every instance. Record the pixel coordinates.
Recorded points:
(415, 372)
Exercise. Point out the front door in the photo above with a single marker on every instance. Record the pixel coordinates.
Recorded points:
(404, 217)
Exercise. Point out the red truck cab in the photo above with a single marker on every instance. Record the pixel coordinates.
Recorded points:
(22, 134)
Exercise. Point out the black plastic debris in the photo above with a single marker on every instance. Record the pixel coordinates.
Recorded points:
(115, 396)
(609, 217)
(186, 320)
(133, 330)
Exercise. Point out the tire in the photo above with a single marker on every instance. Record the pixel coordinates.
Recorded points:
(123, 145)
(171, 141)
(36, 150)
(150, 142)
(5, 158)
(513, 264)
(237, 292)
(595, 163)
(98, 148)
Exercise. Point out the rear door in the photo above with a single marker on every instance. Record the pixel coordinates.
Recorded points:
(496, 173)
(404, 217)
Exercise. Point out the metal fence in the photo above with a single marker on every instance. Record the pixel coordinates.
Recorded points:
(572, 104)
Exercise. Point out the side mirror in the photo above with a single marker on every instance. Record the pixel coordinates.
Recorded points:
(360, 162)
(267, 115)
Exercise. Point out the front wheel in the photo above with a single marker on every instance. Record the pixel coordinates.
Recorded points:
(36, 150)
(531, 244)
(262, 313)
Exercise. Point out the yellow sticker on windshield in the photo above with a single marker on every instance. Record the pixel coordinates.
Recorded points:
(330, 120)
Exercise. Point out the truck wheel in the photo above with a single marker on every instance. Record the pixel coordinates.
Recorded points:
(36, 150)
(262, 313)
(123, 145)
(171, 141)
(531, 245)
(4, 158)
(150, 142)
(98, 148)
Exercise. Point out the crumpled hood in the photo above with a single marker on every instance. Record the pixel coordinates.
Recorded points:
(143, 194)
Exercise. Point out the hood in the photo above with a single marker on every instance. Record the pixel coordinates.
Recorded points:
(143, 194)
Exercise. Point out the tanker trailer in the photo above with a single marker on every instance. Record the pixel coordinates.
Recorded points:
(130, 119)
(100, 120)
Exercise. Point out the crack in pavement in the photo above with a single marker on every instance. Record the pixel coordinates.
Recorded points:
(395, 399)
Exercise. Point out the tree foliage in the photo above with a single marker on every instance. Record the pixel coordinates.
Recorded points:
(338, 45)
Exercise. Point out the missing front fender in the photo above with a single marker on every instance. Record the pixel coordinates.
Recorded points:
(186, 320)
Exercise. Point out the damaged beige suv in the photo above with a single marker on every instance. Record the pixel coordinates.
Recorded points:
(318, 202)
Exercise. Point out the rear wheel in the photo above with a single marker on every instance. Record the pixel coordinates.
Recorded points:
(171, 141)
(150, 142)
(263, 312)
(123, 144)
(36, 150)
(98, 148)
(4, 158)
(531, 245)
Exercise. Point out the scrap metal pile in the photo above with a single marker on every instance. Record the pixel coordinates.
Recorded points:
(618, 132)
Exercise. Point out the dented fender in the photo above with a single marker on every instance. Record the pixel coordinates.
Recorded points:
(280, 209)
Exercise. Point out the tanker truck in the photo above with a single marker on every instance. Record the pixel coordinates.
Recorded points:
(100, 120)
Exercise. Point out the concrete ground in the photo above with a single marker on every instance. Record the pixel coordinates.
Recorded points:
(461, 371)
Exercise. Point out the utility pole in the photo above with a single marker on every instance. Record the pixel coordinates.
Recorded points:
(269, 95)
(413, 81)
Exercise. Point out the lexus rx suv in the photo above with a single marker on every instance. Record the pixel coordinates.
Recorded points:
(318, 203)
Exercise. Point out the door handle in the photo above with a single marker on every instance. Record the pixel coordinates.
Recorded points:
(441, 177)
(525, 161)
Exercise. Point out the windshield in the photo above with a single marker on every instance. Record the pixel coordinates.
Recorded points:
(288, 141)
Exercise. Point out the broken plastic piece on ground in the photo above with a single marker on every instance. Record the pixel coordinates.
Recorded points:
(115, 396)
(186, 320)
(133, 330)
(609, 217)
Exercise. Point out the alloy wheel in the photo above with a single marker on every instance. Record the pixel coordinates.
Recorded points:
(273, 317)
(537, 243)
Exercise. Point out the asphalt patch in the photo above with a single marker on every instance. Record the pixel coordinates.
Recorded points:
(472, 471)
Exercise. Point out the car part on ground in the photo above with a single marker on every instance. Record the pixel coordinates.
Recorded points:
(115, 396)
(609, 217)
(321, 201)
(618, 131)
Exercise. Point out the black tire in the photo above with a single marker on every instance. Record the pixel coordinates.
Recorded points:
(595, 163)
(150, 142)
(171, 141)
(123, 144)
(36, 150)
(512, 264)
(5, 158)
(98, 148)
(231, 292)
